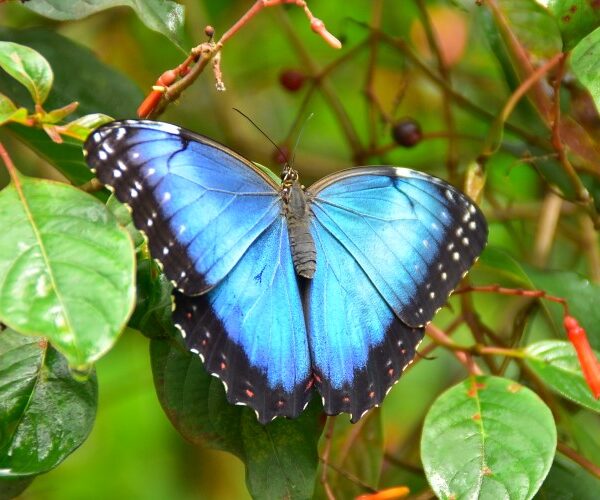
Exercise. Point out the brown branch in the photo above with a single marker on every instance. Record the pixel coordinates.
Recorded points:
(444, 71)
(200, 55)
(328, 436)
(460, 353)
(369, 91)
(457, 98)
(327, 90)
(566, 450)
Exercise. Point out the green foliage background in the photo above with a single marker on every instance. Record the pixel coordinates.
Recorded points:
(110, 59)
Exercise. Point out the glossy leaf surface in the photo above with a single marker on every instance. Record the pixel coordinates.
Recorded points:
(45, 414)
(28, 67)
(280, 457)
(164, 16)
(66, 268)
(488, 437)
(556, 363)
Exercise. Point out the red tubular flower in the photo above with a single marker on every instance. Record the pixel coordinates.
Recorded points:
(587, 359)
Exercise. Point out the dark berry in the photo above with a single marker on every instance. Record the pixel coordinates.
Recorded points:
(407, 132)
(292, 80)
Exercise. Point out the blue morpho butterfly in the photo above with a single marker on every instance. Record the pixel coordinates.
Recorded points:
(282, 288)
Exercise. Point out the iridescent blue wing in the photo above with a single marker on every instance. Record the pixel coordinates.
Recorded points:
(249, 330)
(392, 244)
(200, 204)
(214, 221)
(359, 347)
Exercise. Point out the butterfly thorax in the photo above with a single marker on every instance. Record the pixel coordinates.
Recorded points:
(297, 215)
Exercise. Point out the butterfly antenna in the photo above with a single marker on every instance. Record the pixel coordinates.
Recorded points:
(283, 155)
(309, 117)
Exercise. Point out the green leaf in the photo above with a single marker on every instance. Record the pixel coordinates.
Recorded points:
(505, 265)
(585, 63)
(152, 315)
(10, 112)
(266, 170)
(12, 487)
(28, 67)
(487, 437)
(533, 25)
(568, 481)
(576, 18)
(123, 216)
(98, 89)
(45, 414)
(66, 157)
(83, 126)
(556, 363)
(356, 449)
(582, 296)
(164, 16)
(66, 268)
(280, 457)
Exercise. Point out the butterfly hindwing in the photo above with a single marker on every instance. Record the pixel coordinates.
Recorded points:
(391, 245)
(359, 347)
(250, 329)
(200, 204)
(413, 235)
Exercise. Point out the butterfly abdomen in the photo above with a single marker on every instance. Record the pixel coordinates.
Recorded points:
(304, 254)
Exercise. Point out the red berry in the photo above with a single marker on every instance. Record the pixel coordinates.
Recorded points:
(281, 155)
(407, 132)
(292, 80)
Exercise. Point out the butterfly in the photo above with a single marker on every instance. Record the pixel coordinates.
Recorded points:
(282, 289)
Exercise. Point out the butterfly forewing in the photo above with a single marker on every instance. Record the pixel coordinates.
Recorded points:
(187, 194)
(414, 235)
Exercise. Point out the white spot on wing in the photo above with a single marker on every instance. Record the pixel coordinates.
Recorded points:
(102, 155)
(456, 256)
